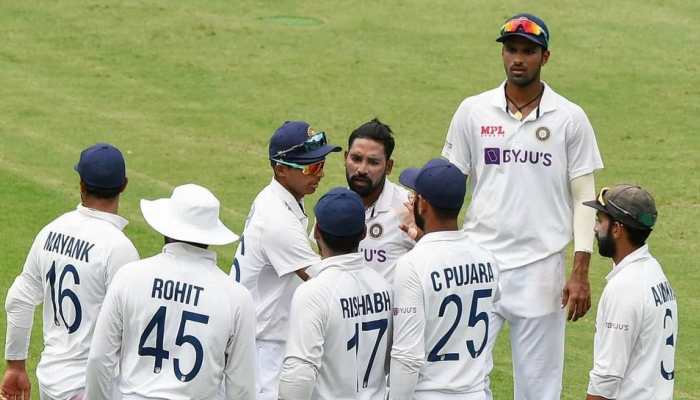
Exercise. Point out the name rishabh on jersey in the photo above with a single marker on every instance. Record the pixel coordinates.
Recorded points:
(340, 329)
(178, 328)
(68, 269)
(444, 291)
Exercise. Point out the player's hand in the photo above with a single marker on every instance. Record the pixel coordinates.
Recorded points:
(576, 295)
(15, 383)
(408, 223)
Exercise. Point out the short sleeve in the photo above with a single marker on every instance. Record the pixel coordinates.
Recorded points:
(287, 247)
(581, 146)
(456, 148)
(121, 255)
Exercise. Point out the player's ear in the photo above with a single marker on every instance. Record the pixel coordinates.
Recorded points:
(83, 189)
(389, 166)
(126, 182)
(345, 155)
(545, 56)
(317, 234)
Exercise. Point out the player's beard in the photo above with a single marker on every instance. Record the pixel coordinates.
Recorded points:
(525, 80)
(606, 244)
(368, 188)
(420, 221)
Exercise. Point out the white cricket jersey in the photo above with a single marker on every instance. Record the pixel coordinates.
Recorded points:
(521, 207)
(68, 270)
(177, 327)
(339, 334)
(385, 241)
(273, 245)
(636, 332)
(444, 291)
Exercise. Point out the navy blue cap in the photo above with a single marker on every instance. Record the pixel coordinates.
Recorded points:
(340, 212)
(102, 166)
(295, 133)
(439, 181)
(541, 39)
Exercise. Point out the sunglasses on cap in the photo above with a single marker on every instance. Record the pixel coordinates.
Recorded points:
(604, 203)
(523, 25)
(313, 143)
(307, 169)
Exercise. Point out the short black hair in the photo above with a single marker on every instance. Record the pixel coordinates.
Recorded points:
(377, 131)
(102, 193)
(446, 213)
(341, 244)
(637, 237)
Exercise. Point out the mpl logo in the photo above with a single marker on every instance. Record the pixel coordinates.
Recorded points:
(497, 156)
(492, 131)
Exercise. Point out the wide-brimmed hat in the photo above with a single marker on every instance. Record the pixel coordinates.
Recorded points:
(191, 214)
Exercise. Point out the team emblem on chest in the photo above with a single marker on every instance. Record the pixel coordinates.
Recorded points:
(542, 133)
(376, 230)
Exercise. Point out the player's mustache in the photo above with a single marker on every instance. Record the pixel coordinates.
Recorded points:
(360, 178)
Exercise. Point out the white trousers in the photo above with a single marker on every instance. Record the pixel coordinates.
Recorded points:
(269, 366)
(531, 304)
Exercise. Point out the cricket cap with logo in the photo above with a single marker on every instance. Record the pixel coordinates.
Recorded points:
(297, 142)
(629, 204)
(102, 166)
(340, 212)
(190, 214)
(525, 25)
(438, 181)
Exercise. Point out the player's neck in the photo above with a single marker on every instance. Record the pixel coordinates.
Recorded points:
(523, 94)
(440, 226)
(623, 249)
(104, 205)
(374, 196)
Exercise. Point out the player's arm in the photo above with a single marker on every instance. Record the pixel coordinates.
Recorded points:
(591, 397)
(289, 251)
(617, 329)
(106, 344)
(121, 255)
(307, 325)
(239, 373)
(408, 349)
(577, 291)
(26, 292)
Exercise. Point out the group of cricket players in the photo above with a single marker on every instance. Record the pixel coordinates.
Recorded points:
(383, 295)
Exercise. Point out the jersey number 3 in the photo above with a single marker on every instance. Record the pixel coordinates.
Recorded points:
(160, 354)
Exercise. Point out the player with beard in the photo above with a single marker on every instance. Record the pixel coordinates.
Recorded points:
(637, 319)
(530, 154)
(444, 289)
(367, 164)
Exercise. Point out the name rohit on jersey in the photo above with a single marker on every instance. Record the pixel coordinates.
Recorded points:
(460, 275)
(67, 245)
(663, 293)
(180, 292)
(371, 303)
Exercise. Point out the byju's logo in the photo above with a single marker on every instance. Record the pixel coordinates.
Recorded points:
(497, 156)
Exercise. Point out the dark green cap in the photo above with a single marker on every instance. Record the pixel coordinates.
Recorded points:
(629, 204)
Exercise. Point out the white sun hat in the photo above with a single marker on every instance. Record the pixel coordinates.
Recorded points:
(191, 214)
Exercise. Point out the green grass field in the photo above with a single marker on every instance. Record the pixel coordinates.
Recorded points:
(191, 92)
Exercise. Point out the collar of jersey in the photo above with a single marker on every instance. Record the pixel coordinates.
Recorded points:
(547, 103)
(348, 262)
(442, 236)
(180, 249)
(118, 221)
(291, 202)
(384, 202)
(637, 255)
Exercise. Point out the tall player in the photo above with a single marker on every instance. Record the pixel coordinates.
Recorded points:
(530, 154)
(173, 324)
(443, 296)
(340, 321)
(367, 163)
(637, 320)
(68, 269)
(274, 252)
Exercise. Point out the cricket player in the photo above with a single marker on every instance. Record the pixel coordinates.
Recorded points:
(444, 291)
(340, 323)
(367, 163)
(69, 267)
(274, 250)
(530, 155)
(174, 324)
(637, 319)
